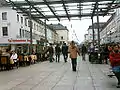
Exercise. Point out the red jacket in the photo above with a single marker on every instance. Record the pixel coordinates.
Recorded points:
(114, 59)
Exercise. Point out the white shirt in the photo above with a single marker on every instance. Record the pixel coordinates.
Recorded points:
(14, 56)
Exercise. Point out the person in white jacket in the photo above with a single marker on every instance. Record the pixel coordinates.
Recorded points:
(14, 57)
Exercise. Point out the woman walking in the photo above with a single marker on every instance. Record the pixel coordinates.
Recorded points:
(74, 52)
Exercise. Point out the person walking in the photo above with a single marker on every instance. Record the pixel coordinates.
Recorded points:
(65, 51)
(106, 54)
(51, 52)
(114, 58)
(74, 52)
(84, 50)
(57, 52)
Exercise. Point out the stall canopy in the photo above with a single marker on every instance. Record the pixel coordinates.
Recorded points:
(64, 9)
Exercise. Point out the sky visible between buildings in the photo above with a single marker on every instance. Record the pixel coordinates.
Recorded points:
(79, 27)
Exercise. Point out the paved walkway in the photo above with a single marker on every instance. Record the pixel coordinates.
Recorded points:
(58, 76)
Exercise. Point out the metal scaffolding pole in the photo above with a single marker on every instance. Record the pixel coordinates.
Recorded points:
(30, 22)
(45, 33)
(98, 28)
(93, 33)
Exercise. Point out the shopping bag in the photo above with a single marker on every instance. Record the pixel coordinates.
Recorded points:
(79, 58)
(11, 61)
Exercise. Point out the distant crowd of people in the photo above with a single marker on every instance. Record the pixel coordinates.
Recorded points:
(65, 49)
(57, 51)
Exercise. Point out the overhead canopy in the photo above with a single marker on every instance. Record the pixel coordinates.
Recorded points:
(64, 9)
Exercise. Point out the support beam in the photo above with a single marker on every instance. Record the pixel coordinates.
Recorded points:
(94, 10)
(74, 15)
(36, 10)
(45, 32)
(78, 6)
(58, 2)
(51, 10)
(109, 7)
(93, 33)
(80, 9)
(66, 10)
(98, 27)
(24, 11)
(69, 9)
(30, 19)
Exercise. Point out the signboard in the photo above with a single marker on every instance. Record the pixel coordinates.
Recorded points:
(4, 44)
(18, 41)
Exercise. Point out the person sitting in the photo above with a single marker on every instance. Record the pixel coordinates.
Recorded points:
(14, 57)
(114, 58)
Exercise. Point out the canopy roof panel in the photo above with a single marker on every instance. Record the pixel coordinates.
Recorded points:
(64, 9)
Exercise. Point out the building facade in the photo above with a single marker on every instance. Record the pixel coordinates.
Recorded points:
(90, 32)
(15, 29)
(86, 38)
(111, 31)
(62, 31)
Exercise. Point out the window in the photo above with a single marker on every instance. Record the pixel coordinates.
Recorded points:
(5, 31)
(34, 26)
(4, 16)
(20, 33)
(25, 21)
(22, 20)
(28, 23)
(61, 37)
(23, 33)
(17, 17)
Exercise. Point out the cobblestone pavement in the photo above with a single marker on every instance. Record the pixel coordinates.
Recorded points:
(58, 76)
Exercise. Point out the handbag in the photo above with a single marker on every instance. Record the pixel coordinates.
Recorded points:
(11, 61)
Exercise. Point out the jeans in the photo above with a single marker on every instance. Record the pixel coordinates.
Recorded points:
(83, 56)
(51, 57)
(116, 71)
(65, 55)
(74, 63)
(57, 57)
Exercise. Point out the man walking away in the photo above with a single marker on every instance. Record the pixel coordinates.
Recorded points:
(51, 52)
(84, 50)
(65, 51)
(74, 51)
(57, 52)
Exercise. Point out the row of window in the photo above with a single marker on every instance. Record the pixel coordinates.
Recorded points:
(35, 26)
(22, 33)
(27, 23)
(26, 34)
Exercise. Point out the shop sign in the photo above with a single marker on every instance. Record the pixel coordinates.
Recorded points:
(4, 45)
(17, 40)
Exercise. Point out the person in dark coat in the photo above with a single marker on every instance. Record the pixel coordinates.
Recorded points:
(106, 54)
(51, 52)
(65, 51)
(84, 50)
(57, 52)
